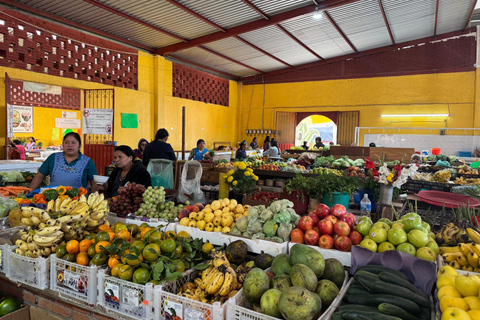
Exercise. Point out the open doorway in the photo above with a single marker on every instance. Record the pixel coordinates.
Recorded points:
(314, 126)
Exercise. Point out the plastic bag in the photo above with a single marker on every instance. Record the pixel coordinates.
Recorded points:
(161, 173)
(6, 204)
(189, 189)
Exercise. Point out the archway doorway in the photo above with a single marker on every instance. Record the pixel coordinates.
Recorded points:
(313, 126)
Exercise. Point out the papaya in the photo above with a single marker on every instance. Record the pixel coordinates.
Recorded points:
(302, 254)
(236, 252)
(281, 264)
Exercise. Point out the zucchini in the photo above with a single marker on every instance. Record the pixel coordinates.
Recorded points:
(395, 311)
(366, 278)
(356, 298)
(378, 269)
(367, 315)
(388, 288)
(375, 300)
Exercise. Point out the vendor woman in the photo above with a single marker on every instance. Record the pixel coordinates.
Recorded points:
(199, 152)
(241, 152)
(68, 168)
(127, 170)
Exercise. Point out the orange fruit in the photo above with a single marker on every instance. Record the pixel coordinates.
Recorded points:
(101, 244)
(85, 244)
(91, 251)
(207, 247)
(144, 231)
(151, 252)
(116, 269)
(124, 234)
(82, 259)
(168, 245)
(102, 236)
(103, 227)
(112, 262)
(119, 226)
(170, 234)
(183, 234)
(72, 246)
(112, 235)
(125, 272)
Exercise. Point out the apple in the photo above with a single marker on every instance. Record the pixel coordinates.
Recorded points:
(369, 244)
(316, 229)
(397, 225)
(363, 226)
(305, 223)
(386, 220)
(418, 238)
(343, 243)
(315, 218)
(407, 248)
(382, 225)
(322, 210)
(412, 221)
(326, 242)
(311, 237)
(200, 206)
(349, 219)
(325, 226)
(378, 235)
(356, 237)
(183, 214)
(384, 246)
(338, 210)
(297, 236)
(341, 228)
(367, 237)
(332, 218)
(397, 236)
(425, 253)
(434, 246)
(426, 226)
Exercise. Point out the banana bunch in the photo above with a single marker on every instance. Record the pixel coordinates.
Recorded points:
(451, 235)
(98, 207)
(464, 256)
(38, 243)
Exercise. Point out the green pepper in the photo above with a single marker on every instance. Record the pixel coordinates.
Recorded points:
(50, 194)
(72, 193)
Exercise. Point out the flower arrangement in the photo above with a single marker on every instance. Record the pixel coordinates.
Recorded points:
(395, 177)
(242, 179)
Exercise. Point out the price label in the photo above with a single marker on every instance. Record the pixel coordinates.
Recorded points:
(191, 314)
(112, 292)
(131, 297)
(173, 309)
(73, 281)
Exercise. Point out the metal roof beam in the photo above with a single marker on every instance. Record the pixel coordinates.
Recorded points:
(340, 31)
(299, 42)
(132, 18)
(71, 23)
(471, 14)
(229, 59)
(196, 14)
(254, 25)
(380, 4)
(202, 67)
(263, 51)
(256, 9)
(436, 18)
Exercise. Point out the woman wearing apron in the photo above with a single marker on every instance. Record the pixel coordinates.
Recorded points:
(68, 168)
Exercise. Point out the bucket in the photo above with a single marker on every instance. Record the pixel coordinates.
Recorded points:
(436, 151)
(342, 198)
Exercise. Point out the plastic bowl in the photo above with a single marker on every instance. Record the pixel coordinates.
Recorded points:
(100, 179)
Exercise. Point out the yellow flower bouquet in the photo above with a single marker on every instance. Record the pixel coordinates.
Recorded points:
(241, 178)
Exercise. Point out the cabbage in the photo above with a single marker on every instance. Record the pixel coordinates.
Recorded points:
(12, 176)
(235, 231)
(266, 215)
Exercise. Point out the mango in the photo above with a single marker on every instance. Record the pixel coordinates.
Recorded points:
(303, 276)
(302, 254)
(297, 303)
(334, 272)
(281, 264)
(255, 284)
(269, 303)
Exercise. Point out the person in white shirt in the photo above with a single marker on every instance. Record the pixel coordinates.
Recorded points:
(273, 151)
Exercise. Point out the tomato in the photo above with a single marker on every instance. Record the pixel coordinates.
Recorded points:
(305, 223)
(297, 236)
(322, 210)
(343, 243)
(338, 210)
(311, 237)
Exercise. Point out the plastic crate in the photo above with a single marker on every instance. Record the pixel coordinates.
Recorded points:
(184, 307)
(112, 218)
(463, 154)
(237, 306)
(417, 185)
(219, 239)
(73, 281)
(3, 257)
(344, 257)
(34, 272)
(125, 297)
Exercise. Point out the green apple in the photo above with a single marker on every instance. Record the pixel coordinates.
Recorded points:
(412, 221)
(425, 253)
(397, 236)
(369, 244)
(407, 248)
(418, 238)
(397, 225)
(378, 235)
(424, 230)
(382, 225)
(364, 226)
(367, 237)
(434, 246)
(386, 220)
(426, 226)
(384, 246)
(431, 235)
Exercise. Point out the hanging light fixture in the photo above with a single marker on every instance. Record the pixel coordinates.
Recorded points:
(318, 14)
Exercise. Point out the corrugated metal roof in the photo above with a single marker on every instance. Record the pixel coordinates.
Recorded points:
(453, 15)
(271, 8)
(410, 20)
(363, 24)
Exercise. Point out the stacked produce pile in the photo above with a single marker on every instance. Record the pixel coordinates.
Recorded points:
(383, 293)
(323, 170)
(264, 196)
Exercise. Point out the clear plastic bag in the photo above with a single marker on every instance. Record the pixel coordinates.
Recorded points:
(161, 173)
(6, 204)
(189, 189)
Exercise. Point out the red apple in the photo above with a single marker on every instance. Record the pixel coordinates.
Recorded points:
(338, 210)
(325, 226)
(184, 213)
(349, 219)
(326, 242)
(343, 243)
(200, 206)
(332, 218)
(192, 208)
(341, 228)
(305, 223)
(311, 237)
(315, 218)
(322, 210)
(316, 229)
(356, 237)
(297, 235)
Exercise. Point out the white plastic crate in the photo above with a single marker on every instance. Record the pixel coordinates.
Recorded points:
(344, 257)
(112, 218)
(73, 281)
(34, 272)
(236, 307)
(3, 257)
(124, 297)
(219, 239)
(166, 297)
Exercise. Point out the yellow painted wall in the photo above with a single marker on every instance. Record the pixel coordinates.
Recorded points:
(452, 93)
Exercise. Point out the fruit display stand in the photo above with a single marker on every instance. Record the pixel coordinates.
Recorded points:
(344, 257)
(125, 297)
(34, 272)
(73, 281)
(237, 306)
(166, 298)
(112, 218)
(219, 239)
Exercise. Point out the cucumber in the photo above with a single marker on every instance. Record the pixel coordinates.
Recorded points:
(355, 307)
(378, 269)
(365, 279)
(357, 290)
(375, 300)
(388, 288)
(425, 313)
(367, 315)
(356, 298)
(337, 316)
(395, 311)
(393, 279)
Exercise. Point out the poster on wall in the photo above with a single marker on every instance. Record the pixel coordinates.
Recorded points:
(97, 121)
(69, 114)
(22, 119)
(65, 123)
(9, 121)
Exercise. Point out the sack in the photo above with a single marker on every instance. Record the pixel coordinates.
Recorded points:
(161, 173)
(189, 189)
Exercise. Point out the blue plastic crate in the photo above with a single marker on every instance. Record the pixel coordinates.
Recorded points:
(464, 154)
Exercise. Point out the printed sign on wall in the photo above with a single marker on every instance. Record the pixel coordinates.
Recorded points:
(22, 119)
(97, 121)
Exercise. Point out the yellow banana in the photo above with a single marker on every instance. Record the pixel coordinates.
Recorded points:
(19, 251)
(66, 228)
(27, 221)
(198, 282)
(58, 204)
(473, 259)
(467, 268)
(82, 199)
(79, 208)
(92, 198)
(208, 278)
(229, 283)
(51, 206)
(98, 200)
(97, 215)
(35, 220)
(462, 260)
(102, 205)
(47, 231)
(464, 249)
(92, 223)
(36, 253)
(207, 271)
(216, 283)
(443, 250)
(32, 245)
(25, 212)
(42, 225)
(455, 265)
(220, 258)
(451, 256)
(476, 248)
(474, 235)
(46, 251)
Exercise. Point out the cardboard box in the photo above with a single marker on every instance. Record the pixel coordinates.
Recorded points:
(31, 313)
(21, 314)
